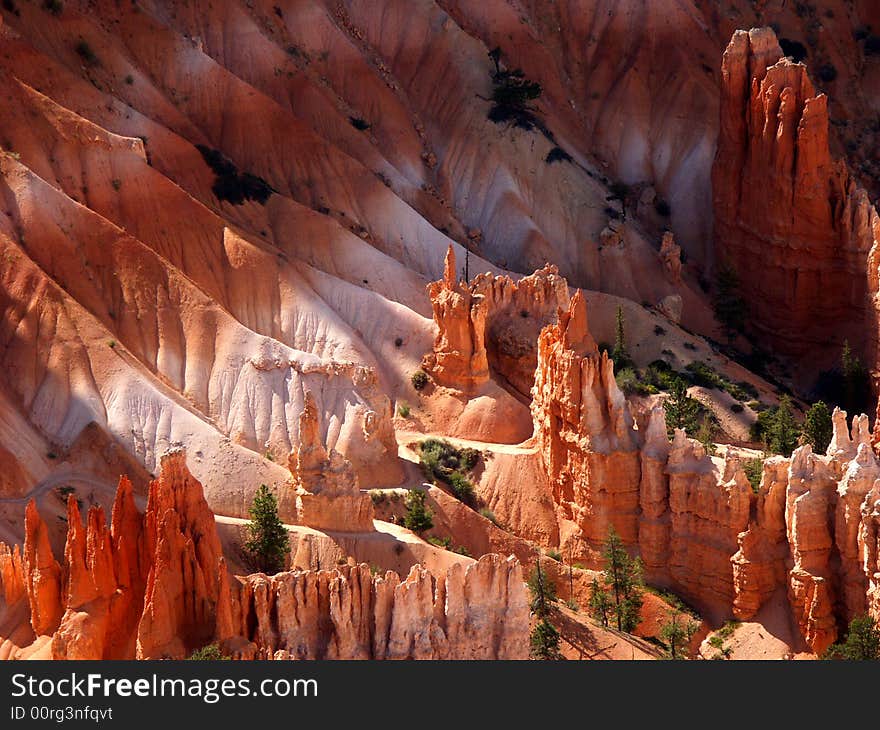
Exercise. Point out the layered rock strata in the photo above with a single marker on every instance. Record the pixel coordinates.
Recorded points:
(155, 585)
(328, 495)
(789, 218)
(475, 612)
(491, 323)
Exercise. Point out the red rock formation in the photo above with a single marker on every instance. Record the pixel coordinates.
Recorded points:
(146, 585)
(42, 574)
(156, 586)
(709, 507)
(328, 495)
(584, 430)
(655, 519)
(474, 612)
(759, 564)
(459, 358)
(180, 602)
(858, 480)
(670, 257)
(12, 587)
(517, 311)
(788, 218)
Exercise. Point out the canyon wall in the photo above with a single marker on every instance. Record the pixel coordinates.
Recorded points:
(475, 612)
(809, 530)
(155, 585)
(788, 218)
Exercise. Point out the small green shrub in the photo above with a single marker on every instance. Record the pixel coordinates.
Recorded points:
(557, 154)
(403, 410)
(209, 653)
(462, 488)
(489, 515)
(555, 555)
(377, 496)
(754, 470)
(737, 408)
(418, 517)
(85, 52)
(419, 379)
(440, 542)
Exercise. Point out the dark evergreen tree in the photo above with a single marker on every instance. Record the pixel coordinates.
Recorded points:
(543, 592)
(677, 631)
(268, 542)
(544, 641)
(783, 432)
(600, 602)
(418, 517)
(730, 307)
(624, 575)
(619, 353)
(862, 642)
(818, 428)
(682, 411)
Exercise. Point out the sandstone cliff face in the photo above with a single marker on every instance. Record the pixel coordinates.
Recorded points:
(709, 505)
(584, 430)
(788, 218)
(328, 495)
(810, 531)
(146, 585)
(491, 322)
(517, 312)
(474, 612)
(459, 357)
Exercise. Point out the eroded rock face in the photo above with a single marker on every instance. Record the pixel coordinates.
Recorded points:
(145, 586)
(670, 257)
(491, 321)
(328, 495)
(709, 505)
(788, 217)
(474, 612)
(813, 532)
(459, 357)
(155, 585)
(517, 312)
(42, 574)
(584, 430)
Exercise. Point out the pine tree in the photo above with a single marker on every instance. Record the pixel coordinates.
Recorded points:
(268, 542)
(682, 411)
(600, 602)
(544, 641)
(730, 307)
(677, 632)
(625, 576)
(862, 642)
(818, 428)
(619, 354)
(782, 436)
(418, 517)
